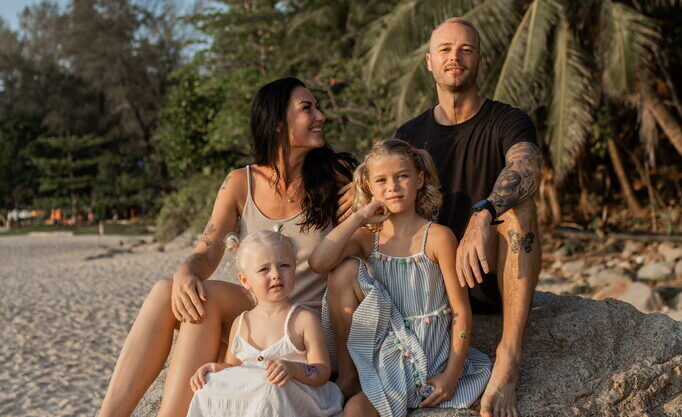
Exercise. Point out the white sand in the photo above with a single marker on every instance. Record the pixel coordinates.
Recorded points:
(67, 304)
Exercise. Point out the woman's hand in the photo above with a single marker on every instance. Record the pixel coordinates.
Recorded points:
(374, 212)
(444, 388)
(187, 294)
(280, 372)
(198, 380)
(346, 197)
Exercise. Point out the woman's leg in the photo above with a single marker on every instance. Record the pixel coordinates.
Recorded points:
(144, 353)
(343, 297)
(199, 343)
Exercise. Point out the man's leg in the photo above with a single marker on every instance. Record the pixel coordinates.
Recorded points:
(343, 297)
(517, 267)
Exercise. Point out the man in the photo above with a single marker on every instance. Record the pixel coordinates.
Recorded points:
(489, 164)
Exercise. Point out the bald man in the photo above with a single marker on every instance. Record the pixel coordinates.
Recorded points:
(489, 165)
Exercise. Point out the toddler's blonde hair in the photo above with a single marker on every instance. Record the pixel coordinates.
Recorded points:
(429, 198)
(262, 237)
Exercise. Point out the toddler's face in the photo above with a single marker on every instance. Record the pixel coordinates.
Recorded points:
(394, 181)
(270, 272)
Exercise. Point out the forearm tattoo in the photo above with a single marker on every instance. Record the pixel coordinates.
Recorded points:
(520, 177)
(310, 371)
(519, 242)
(193, 259)
(207, 237)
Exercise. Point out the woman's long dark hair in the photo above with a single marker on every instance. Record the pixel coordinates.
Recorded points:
(268, 118)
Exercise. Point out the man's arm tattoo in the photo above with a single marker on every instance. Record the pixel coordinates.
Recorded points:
(520, 177)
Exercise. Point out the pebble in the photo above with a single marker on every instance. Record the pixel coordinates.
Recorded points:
(654, 271)
(605, 277)
(642, 297)
(670, 252)
(572, 268)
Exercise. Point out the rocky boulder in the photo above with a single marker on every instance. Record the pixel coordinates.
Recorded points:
(582, 357)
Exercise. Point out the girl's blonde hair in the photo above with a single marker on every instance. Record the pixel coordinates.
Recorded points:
(262, 237)
(429, 198)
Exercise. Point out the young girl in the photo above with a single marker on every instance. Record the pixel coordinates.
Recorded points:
(400, 311)
(277, 362)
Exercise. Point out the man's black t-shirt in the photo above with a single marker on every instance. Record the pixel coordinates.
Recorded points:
(470, 155)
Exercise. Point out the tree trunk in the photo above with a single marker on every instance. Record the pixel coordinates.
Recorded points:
(670, 127)
(633, 205)
(548, 193)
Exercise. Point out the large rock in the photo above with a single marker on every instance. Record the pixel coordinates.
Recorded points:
(581, 358)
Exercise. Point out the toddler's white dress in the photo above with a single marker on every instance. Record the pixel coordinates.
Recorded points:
(245, 391)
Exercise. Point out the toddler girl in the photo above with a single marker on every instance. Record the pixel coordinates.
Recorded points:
(400, 310)
(277, 363)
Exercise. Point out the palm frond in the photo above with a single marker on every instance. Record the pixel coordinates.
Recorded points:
(629, 38)
(382, 46)
(543, 15)
(521, 76)
(570, 111)
(414, 87)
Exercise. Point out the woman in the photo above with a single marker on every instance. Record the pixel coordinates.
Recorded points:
(294, 183)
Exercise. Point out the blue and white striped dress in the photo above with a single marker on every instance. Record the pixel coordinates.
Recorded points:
(400, 334)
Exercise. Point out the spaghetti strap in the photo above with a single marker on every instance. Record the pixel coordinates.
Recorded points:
(248, 181)
(426, 233)
(376, 242)
(286, 321)
(239, 325)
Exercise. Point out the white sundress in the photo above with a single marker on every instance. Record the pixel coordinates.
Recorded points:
(400, 334)
(245, 391)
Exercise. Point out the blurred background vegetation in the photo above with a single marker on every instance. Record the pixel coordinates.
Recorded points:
(138, 108)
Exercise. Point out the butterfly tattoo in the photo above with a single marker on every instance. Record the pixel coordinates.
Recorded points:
(518, 241)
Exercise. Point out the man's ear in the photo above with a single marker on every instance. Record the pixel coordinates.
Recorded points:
(243, 280)
(427, 58)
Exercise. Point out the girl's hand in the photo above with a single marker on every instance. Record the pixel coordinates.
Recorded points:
(374, 212)
(187, 295)
(198, 380)
(280, 372)
(444, 388)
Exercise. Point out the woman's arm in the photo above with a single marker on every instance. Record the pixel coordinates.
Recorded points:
(345, 239)
(188, 291)
(444, 246)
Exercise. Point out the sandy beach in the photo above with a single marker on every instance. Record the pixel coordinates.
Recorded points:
(67, 304)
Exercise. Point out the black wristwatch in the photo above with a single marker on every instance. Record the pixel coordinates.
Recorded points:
(486, 205)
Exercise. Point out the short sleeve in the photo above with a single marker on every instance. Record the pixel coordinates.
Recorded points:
(515, 126)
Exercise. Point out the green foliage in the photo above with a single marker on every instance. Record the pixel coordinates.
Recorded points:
(187, 208)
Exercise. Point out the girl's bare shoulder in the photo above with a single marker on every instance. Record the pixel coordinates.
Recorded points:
(440, 238)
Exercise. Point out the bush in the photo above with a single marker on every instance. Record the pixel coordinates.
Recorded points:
(188, 208)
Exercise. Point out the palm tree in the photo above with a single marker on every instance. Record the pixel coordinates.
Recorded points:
(564, 57)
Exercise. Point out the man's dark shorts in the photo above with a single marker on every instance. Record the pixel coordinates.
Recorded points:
(485, 298)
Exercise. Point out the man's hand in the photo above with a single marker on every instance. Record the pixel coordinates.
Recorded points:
(347, 195)
(471, 250)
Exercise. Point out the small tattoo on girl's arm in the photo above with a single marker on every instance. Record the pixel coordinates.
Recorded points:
(310, 370)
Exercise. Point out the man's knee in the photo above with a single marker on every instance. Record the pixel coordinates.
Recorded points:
(161, 291)
(523, 216)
